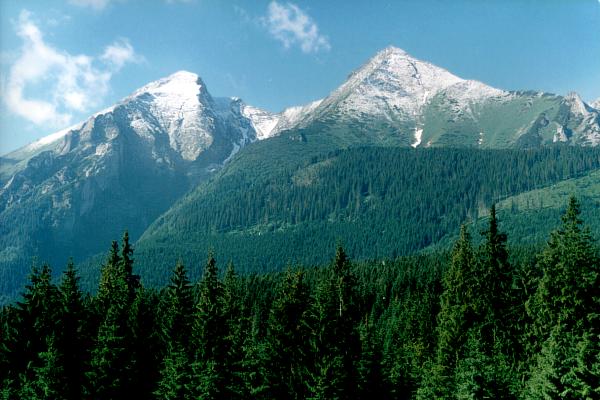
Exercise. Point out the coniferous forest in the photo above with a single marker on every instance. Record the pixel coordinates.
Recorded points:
(482, 321)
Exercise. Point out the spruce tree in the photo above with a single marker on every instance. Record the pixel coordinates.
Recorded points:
(111, 358)
(456, 316)
(288, 338)
(566, 305)
(144, 342)
(36, 320)
(496, 280)
(71, 341)
(336, 341)
(178, 309)
(176, 330)
(109, 376)
(236, 325)
(209, 335)
(113, 288)
(126, 260)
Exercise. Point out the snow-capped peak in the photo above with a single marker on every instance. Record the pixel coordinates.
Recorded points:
(183, 108)
(392, 81)
(181, 85)
(596, 104)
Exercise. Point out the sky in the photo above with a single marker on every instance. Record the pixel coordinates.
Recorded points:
(61, 61)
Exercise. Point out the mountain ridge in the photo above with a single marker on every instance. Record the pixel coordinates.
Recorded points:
(132, 162)
(392, 80)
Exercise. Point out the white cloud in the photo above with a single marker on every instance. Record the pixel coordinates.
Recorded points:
(120, 53)
(94, 4)
(290, 25)
(63, 83)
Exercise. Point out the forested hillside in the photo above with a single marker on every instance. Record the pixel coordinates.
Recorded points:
(482, 321)
(380, 202)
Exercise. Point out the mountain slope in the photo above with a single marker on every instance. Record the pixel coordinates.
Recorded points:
(72, 192)
(378, 201)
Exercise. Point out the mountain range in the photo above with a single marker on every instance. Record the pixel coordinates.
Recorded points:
(150, 162)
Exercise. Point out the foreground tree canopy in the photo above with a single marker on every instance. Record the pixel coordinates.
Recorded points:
(483, 321)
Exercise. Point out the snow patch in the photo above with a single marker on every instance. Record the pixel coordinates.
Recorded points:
(418, 137)
(262, 121)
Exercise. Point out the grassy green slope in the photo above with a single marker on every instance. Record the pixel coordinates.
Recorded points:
(527, 120)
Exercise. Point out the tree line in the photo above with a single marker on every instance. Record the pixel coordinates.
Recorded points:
(478, 322)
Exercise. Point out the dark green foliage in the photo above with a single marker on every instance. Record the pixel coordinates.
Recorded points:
(457, 316)
(113, 371)
(72, 333)
(436, 325)
(36, 319)
(175, 377)
(288, 351)
(336, 341)
(209, 334)
(48, 380)
(178, 309)
(564, 312)
(380, 202)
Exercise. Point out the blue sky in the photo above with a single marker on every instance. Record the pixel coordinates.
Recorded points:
(61, 61)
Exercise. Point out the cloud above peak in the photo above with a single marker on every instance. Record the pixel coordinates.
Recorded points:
(120, 53)
(289, 24)
(63, 83)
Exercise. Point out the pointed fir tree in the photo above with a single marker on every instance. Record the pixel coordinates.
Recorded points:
(111, 358)
(126, 260)
(455, 318)
(336, 341)
(236, 325)
(110, 363)
(176, 330)
(36, 319)
(209, 335)
(566, 304)
(568, 287)
(178, 309)
(7, 333)
(496, 296)
(113, 288)
(288, 352)
(71, 341)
